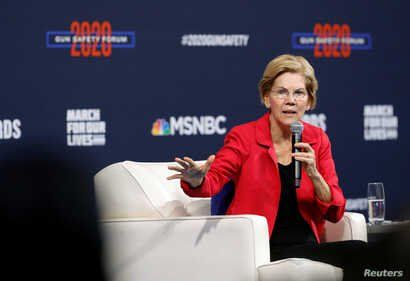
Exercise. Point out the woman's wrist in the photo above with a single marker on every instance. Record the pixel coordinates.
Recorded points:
(195, 183)
(322, 189)
(314, 175)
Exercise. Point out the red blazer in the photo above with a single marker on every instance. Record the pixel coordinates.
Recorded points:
(249, 159)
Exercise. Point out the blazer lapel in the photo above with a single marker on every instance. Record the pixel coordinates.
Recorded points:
(263, 136)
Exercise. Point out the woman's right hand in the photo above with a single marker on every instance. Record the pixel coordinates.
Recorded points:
(189, 171)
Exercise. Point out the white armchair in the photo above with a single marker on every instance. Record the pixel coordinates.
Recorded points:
(153, 231)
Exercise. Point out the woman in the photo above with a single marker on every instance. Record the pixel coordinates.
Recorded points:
(257, 157)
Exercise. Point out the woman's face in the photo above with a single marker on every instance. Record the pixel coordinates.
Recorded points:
(288, 99)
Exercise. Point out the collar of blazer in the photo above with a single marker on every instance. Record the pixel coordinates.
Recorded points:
(310, 133)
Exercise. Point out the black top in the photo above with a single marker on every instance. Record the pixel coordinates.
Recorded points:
(290, 228)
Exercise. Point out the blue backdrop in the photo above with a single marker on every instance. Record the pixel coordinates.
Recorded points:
(107, 81)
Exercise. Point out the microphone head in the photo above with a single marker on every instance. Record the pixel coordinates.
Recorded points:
(296, 127)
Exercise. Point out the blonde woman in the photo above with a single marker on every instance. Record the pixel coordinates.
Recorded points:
(257, 157)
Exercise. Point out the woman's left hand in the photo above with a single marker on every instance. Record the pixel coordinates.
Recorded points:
(307, 157)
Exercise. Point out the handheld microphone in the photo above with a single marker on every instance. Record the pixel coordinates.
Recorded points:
(297, 129)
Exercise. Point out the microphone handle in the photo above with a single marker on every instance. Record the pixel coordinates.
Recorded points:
(298, 167)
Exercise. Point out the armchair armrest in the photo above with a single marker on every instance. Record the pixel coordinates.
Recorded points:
(185, 248)
(351, 227)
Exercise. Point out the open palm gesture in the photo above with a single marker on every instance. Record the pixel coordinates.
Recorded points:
(189, 171)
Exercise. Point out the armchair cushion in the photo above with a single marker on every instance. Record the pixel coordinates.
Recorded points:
(351, 227)
(135, 189)
(119, 194)
(298, 269)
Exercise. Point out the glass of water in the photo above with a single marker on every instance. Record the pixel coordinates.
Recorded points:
(375, 198)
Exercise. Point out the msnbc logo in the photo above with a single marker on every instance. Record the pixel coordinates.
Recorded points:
(189, 126)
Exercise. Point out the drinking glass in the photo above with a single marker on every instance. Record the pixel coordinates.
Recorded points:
(375, 198)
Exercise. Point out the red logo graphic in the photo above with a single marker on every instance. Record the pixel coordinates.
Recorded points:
(332, 40)
(90, 39)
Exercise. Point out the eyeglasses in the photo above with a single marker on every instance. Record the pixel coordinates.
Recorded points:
(283, 93)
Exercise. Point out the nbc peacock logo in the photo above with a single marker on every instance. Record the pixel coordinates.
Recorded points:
(160, 128)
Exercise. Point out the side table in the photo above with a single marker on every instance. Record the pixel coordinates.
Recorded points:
(377, 232)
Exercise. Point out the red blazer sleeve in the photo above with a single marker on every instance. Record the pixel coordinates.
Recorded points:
(226, 166)
(333, 210)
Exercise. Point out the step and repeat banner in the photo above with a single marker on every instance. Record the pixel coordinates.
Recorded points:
(106, 81)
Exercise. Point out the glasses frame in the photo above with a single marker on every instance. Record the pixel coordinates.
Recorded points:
(287, 95)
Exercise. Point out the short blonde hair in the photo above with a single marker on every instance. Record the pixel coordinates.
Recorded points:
(293, 64)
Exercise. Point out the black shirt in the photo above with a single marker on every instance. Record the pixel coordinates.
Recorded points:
(290, 228)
